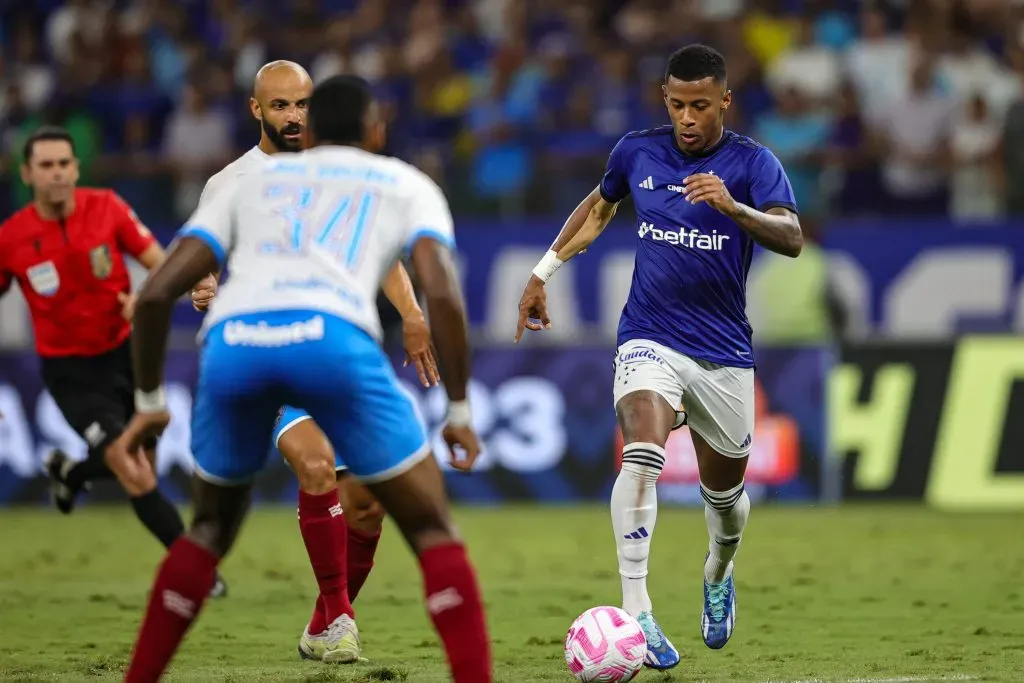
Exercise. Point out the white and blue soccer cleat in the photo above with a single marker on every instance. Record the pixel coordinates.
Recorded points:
(719, 617)
(661, 654)
(338, 644)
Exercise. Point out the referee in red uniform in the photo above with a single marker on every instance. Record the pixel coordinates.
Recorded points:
(66, 251)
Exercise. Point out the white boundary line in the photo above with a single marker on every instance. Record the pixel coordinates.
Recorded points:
(894, 679)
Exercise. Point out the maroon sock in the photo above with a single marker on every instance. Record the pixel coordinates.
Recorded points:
(318, 622)
(182, 584)
(326, 537)
(455, 607)
(362, 546)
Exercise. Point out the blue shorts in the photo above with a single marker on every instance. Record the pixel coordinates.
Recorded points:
(253, 364)
(287, 418)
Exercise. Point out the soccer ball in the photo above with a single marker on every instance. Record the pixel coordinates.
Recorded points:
(605, 645)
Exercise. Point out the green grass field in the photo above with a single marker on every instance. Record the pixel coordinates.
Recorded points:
(867, 594)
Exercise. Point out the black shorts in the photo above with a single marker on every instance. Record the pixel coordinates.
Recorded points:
(96, 394)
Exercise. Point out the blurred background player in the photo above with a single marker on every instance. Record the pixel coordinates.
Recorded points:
(703, 196)
(332, 365)
(340, 546)
(66, 251)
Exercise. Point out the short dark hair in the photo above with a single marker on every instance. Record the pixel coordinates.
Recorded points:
(45, 133)
(337, 110)
(696, 62)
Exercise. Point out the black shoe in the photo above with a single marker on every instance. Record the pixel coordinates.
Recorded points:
(63, 496)
(220, 588)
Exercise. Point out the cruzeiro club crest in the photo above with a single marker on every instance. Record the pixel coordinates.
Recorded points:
(101, 262)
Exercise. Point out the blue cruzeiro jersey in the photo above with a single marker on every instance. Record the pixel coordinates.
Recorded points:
(689, 280)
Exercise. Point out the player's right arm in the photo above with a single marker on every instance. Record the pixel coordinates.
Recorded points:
(431, 242)
(202, 246)
(205, 290)
(587, 221)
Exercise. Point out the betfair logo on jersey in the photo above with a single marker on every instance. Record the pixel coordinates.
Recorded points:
(691, 238)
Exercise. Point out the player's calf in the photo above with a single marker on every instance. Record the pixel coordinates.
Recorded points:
(645, 418)
(417, 502)
(325, 535)
(726, 513)
(186, 577)
(161, 518)
(726, 509)
(364, 516)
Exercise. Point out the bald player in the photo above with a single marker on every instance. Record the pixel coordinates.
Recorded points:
(341, 547)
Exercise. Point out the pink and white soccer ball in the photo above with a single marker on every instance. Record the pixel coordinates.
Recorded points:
(605, 645)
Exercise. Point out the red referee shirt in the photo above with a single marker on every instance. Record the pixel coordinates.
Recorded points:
(71, 274)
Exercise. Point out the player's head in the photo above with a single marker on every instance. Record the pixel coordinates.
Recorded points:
(280, 96)
(50, 166)
(696, 94)
(343, 111)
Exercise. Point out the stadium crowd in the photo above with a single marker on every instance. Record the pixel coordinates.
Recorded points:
(910, 107)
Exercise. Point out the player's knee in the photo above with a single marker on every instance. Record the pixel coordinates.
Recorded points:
(426, 529)
(367, 516)
(314, 469)
(212, 535)
(721, 479)
(718, 471)
(362, 511)
(645, 416)
(431, 536)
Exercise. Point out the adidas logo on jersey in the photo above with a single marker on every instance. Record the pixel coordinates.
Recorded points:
(683, 237)
(647, 183)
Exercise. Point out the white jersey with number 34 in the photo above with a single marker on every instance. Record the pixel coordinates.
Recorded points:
(317, 230)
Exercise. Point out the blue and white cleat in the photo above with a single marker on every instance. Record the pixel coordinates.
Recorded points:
(661, 654)
(719, 617)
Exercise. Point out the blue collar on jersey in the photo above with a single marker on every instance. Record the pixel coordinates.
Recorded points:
(726, 136)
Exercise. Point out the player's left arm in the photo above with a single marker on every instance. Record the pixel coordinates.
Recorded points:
(777, 229)
(772, 220)
(398, 289)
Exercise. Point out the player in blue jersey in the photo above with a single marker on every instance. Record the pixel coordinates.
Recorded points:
(704, 196)
(307, 240)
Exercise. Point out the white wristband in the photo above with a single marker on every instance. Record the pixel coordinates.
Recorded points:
(458, 414)
(150, 401)
(547, 265)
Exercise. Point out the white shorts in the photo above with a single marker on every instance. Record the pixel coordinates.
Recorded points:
(719, 400)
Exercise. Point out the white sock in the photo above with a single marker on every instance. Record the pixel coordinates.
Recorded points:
(726, 513)
(634, 513)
